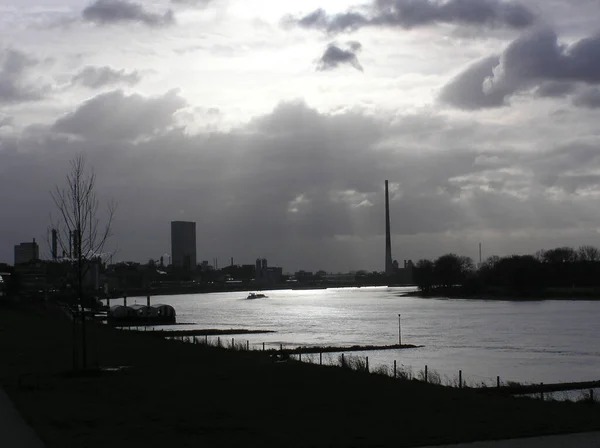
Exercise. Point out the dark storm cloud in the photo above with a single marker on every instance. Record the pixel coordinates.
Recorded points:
(115, 115)
(98, 77)
(588, 98)
(533, 60)
(408, 14)
(555, 89)
(15, 67)
(334, 57)
(107, 12)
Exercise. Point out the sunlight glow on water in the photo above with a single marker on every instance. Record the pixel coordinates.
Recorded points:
(545, 341)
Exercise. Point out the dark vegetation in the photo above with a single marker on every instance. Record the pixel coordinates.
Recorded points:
(563, 272)
(183, 394)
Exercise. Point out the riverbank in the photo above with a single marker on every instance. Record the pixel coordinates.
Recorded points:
(178, 394)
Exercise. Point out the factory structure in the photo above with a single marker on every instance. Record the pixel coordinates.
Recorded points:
(401, 275)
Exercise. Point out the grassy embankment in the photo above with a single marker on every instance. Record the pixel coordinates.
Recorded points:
(179, 395)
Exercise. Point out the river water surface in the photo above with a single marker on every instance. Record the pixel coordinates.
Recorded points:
(540, 341)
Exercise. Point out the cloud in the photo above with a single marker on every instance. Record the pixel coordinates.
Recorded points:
(466, 91)
(308, 185)
(116, 116)
(15, 68)
(201, 3)
(335, 56)
(107, 12)
(534, 60)
(588, 98)
(98, 77)
(409, 14)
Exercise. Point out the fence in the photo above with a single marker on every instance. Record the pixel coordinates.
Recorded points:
(489, 385)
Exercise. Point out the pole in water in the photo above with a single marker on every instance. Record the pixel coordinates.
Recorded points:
(395, 368)
(320, 358)
(399, 331)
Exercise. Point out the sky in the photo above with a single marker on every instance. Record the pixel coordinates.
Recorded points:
(273, 125)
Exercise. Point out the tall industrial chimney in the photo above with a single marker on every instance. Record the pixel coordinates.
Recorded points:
(54, 244)
(389, 265)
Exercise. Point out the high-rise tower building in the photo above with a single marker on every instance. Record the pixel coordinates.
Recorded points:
(389, 264)
(183, 245)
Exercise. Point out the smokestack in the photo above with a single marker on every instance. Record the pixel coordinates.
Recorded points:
(54, 244)
(389, 266)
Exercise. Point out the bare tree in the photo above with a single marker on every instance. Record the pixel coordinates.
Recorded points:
(81, 234)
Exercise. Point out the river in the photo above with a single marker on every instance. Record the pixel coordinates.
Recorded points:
(532, 341)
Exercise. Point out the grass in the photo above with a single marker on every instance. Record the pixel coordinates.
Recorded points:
(182, 394)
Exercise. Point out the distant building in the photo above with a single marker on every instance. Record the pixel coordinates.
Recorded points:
(27, 252)
(264, 274)
(404, 275)
(183, 245)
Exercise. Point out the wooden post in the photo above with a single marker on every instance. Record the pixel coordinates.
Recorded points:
(460, 379)
(426, 377)
(497, 381)
(233, 343)
(320, 358)
(247, 345)
(205, 339)
(218, 341)
(367, 363)
(395, 371)
(300, 356)
(343, 363)
(263, 346)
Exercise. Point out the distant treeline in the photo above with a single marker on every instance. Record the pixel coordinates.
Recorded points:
(562, 270)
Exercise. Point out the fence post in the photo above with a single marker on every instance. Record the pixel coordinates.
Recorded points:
(233, 343)
(218, 341)
(343, 360)
(497, 381)
(460, 379)
(367, 363)
(247, 345)
(395, 369)
(320, 358)
(205, 339)
(426, 377)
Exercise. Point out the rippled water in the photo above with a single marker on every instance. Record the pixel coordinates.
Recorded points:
(543, 341)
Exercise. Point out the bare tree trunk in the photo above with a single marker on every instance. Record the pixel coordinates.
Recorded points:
(78, 229)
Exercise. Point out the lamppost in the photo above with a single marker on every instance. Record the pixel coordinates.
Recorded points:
(399, 331)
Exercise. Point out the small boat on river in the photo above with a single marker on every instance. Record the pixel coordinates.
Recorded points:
(255, 295)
